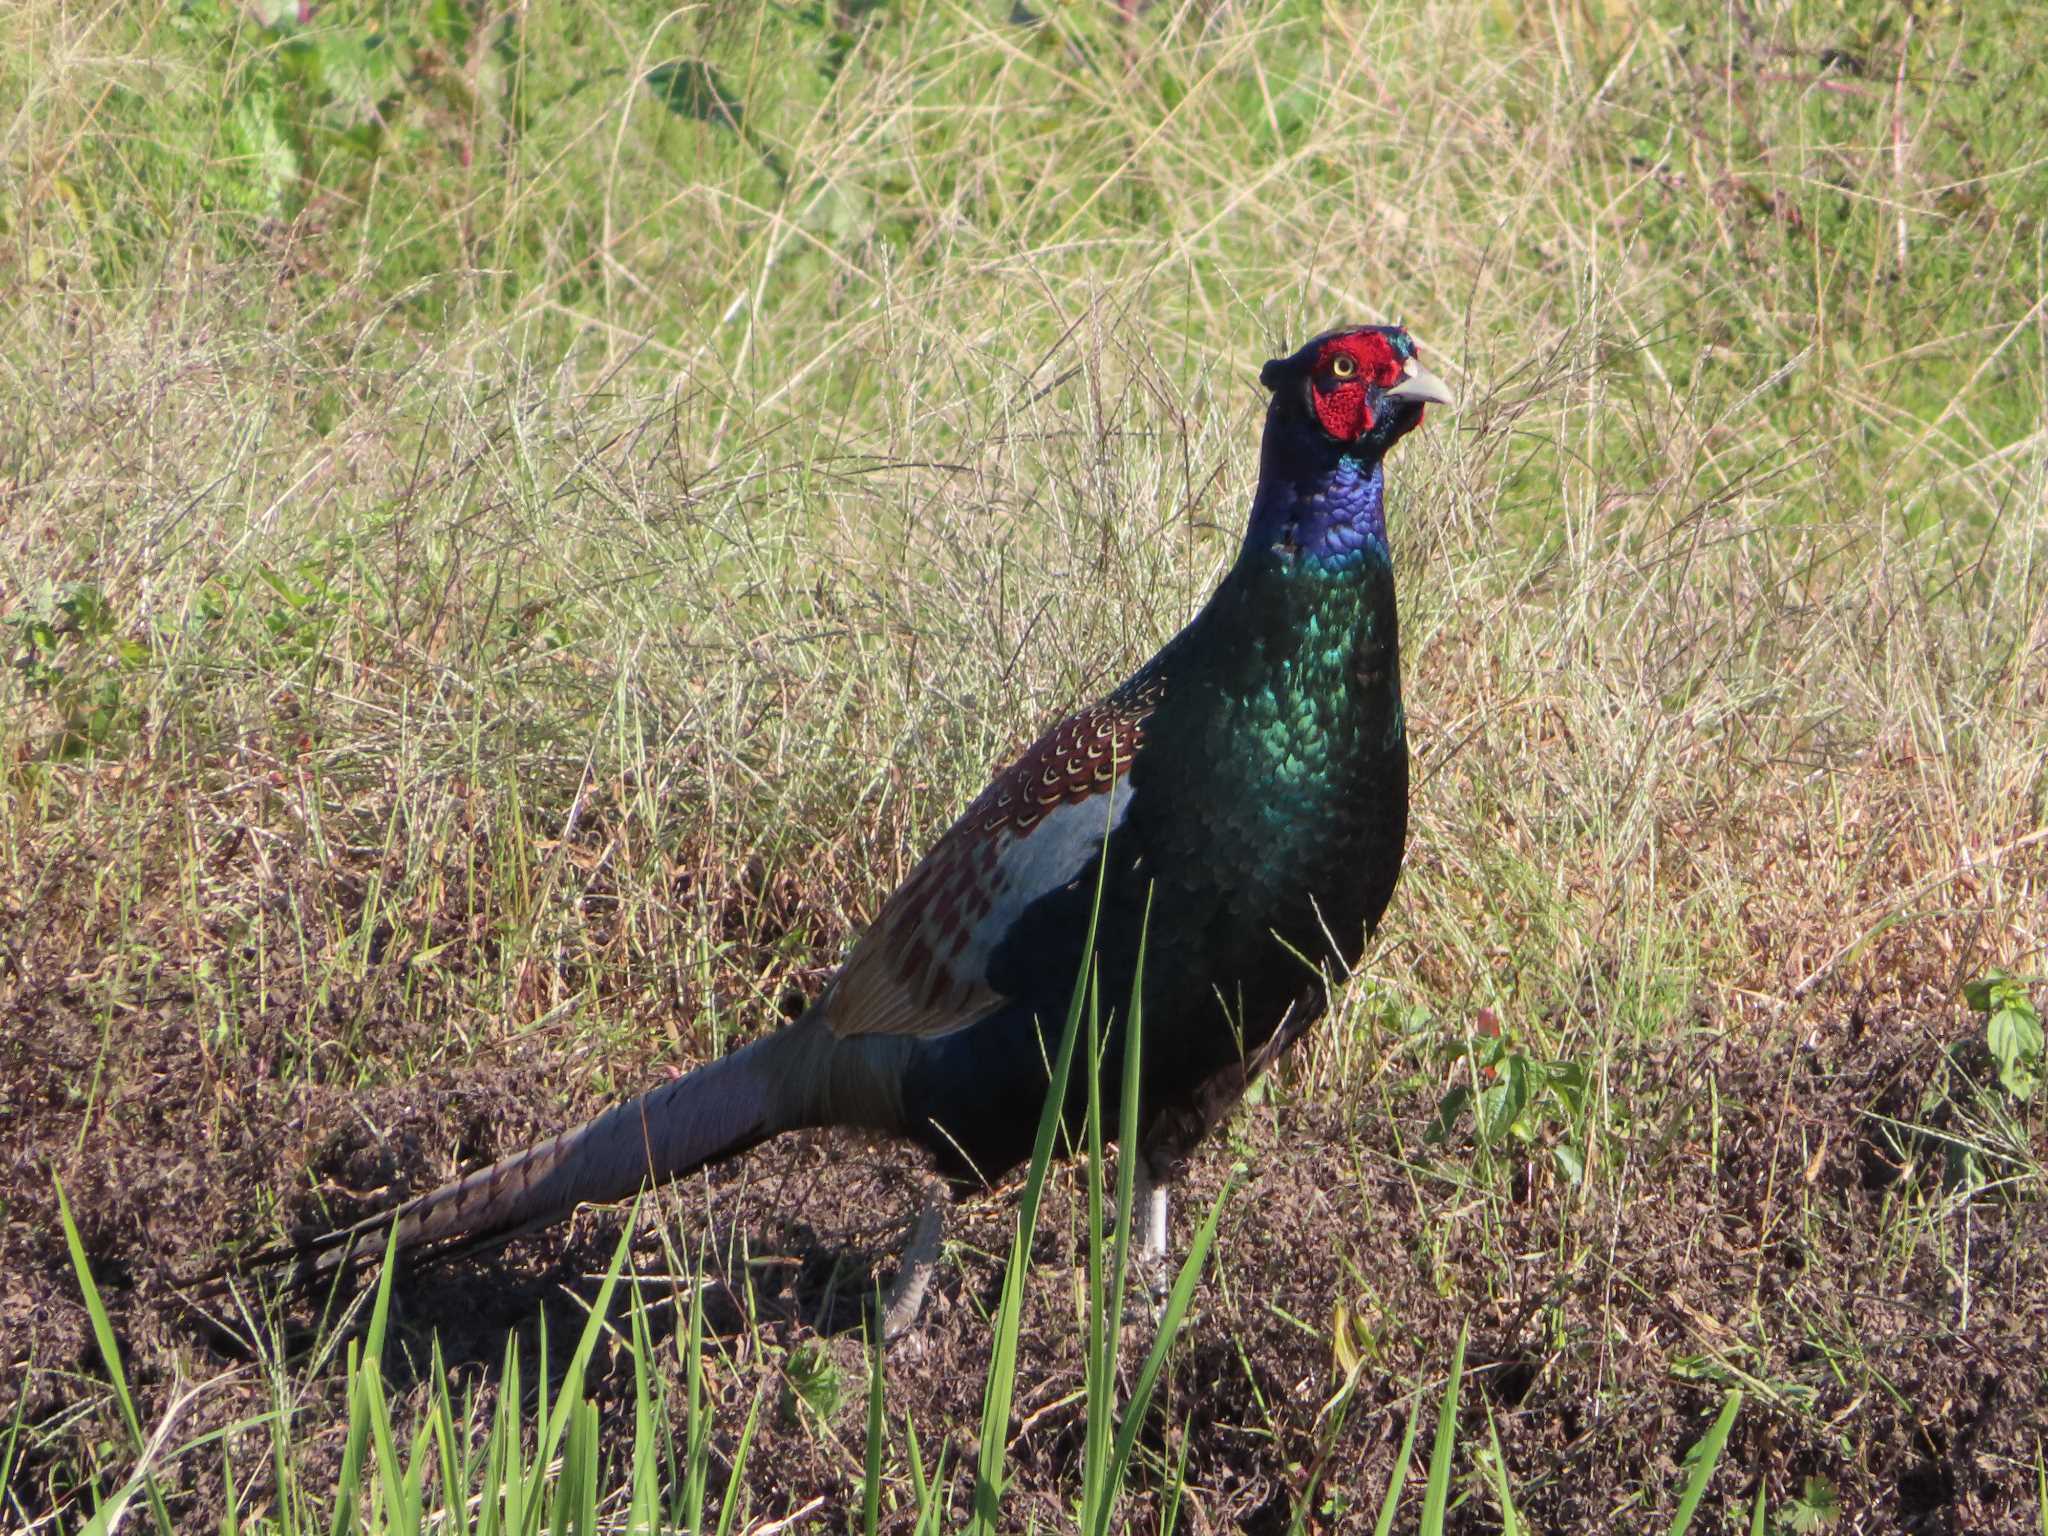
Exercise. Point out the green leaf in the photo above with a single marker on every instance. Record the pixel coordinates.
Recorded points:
(1501, 1104)
(1569, 1081)
(1448, 1109)
(1995, 990)
(1343, 1348)
(87, 609)
(2014, 1036)
(1815, 1509)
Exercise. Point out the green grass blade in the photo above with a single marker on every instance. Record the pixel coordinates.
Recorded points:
(102, 1327)
(10, 1443)
(697, 1420)
(416, 1476)
(390, 1477)
(365, 1366)
(348, 1482)
(570, 1398)
(1109, 1460)
(380, 1310)
(644, 1512)
(1497, 1471)
(999, 1392)
(735, 1483)
(1176, 1484)
(1099, 1386)
(436, 1435)
(230, 1502)
(530, 1477)
(1705, 1457)
(1177, 1303)
(110, 1352)
(931, 1504)
(920, 1488)
(580, 1459)
(1127, 1115)
(871, 1478)
(499, 1507)
(1436, 1492)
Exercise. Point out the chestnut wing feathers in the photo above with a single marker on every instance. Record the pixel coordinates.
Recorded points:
(922, 967)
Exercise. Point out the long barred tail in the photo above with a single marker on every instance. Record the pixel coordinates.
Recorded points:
(717, 1111)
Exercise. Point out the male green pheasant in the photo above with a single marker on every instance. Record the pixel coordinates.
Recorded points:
(1240, 804)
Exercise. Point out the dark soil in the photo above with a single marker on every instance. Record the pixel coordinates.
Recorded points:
(1768, 1218)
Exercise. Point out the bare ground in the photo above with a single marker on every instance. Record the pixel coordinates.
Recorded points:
(1755, 1229)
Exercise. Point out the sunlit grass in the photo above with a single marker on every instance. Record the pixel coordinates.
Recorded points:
(518, 530)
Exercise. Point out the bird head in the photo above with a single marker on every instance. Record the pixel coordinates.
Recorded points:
(1359, 388)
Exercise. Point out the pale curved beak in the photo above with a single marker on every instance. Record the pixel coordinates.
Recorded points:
(1420, 385)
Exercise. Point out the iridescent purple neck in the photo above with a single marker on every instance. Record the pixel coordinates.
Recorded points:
(1336, 519)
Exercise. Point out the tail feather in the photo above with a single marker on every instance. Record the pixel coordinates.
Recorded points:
(717, 1111)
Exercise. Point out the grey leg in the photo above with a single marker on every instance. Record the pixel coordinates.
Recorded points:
(914, 1270)
(1148, 1214)
(1150, 1202)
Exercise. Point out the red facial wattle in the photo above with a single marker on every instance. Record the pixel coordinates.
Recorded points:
(1343, 409)
(1338, 386)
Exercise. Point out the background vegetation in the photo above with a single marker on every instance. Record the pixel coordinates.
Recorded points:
(517, 524)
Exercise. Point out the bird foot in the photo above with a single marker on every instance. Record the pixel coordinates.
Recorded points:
(1152, 1277)
(905, 1300)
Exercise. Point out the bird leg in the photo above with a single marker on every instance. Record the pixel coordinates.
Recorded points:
(914, 1270)
(1148, 1215)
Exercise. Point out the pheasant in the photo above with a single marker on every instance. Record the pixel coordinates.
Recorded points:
(1240, 804)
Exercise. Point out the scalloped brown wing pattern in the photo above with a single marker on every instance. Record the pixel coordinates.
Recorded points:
(922, 967)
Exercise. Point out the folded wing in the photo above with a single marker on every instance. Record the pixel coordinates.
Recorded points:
(922, 967)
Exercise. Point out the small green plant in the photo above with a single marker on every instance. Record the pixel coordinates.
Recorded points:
(1513, 1095)
(812, 1381)
(1972, 1122)
(315, 99)
(2012, 1030)
(1814, 1507)
(70, 653)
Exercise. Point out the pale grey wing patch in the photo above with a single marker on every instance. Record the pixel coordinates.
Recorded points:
(922, 969)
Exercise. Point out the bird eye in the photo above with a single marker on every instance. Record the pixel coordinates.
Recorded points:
(1343, 367)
